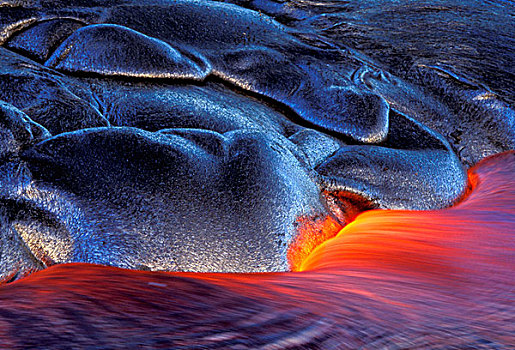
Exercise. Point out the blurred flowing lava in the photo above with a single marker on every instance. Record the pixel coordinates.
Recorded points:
(396, 279)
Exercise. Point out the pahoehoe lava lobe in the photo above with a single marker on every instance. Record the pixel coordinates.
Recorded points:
(190, 135)
(110, 49)
(177, 199)
(414, 169)
(243, 47)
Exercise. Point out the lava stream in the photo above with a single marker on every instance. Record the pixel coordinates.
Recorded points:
(399, 279)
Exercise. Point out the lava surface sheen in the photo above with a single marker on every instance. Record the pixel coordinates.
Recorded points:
(242, 145)
(149, 134)
(391, 279)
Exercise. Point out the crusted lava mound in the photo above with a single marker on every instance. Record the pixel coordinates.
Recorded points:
(207, 136)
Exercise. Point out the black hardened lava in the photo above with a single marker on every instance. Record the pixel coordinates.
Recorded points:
(199, 135)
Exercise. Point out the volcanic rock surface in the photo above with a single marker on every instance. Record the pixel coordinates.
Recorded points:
(192, 135)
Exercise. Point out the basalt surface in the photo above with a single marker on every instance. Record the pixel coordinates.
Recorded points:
(392, 279)
(195, 135)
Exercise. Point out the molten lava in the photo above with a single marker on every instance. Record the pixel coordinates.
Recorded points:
(432, 242)
(389, 279)
(312, 233)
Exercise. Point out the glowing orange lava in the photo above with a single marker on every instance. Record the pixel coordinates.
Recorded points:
(312, 233)
(390, 279)
(431, 242)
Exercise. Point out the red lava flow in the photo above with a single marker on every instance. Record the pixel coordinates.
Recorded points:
(400, 279)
